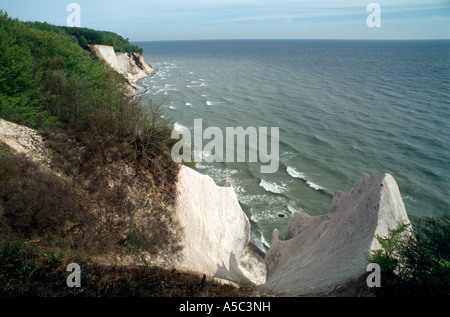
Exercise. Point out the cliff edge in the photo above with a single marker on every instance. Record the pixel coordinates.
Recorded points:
(131, 65)
(216, 232)
(325, 255)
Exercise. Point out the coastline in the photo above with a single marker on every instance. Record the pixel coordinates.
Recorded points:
(142, 89)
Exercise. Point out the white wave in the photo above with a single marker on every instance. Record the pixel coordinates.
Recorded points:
(203, 85)
(201, 166)
(209, 103)
(172, 107)
(409, 198)
(265, 244)
(188, 104)
(262, 216)
(260, 241)
(291, 171)
(293, 209)
(272, 187)
(179, 127)
(314, 186)
(199, 156)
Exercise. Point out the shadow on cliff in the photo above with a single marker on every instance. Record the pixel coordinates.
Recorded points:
(248, 269)
(233, 272)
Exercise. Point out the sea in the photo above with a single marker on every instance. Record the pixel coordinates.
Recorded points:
(344, 108)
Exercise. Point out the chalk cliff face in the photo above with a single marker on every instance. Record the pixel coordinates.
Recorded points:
(325, 253)
(216, 232)
(131, 65)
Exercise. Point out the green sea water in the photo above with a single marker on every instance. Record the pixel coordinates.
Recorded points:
(343, 108)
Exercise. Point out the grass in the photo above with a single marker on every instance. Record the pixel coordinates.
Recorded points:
(30, 269)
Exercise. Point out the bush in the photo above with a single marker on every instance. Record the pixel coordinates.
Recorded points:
(387, 257)
(36, 203)
(419, 262)
(426, 256)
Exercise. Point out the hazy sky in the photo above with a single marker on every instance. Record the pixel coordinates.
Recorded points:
(246, 19)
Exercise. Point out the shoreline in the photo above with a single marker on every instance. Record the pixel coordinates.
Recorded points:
(142, 89)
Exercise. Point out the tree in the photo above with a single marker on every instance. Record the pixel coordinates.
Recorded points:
(83, 42)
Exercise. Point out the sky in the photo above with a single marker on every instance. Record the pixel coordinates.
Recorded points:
(149, 20)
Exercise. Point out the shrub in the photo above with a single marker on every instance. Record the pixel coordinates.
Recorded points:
(419, 261)
(387, 257)
(35, 202)
(426, 256)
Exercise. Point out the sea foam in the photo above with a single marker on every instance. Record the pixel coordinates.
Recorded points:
(293, 173)
(272, 187)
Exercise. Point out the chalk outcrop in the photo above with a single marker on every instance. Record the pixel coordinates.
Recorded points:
(324, 254)
(131, 65)
(23, 140)
(216, 232)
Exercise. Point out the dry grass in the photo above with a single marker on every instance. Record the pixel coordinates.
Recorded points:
(29, 269)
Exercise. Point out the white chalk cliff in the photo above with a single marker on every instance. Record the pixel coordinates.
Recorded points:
(131, 65)
(326, 253)
(216, 232)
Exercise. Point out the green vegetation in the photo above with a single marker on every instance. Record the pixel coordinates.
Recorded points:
(111, 181)
(104, 200)
(85, 37)
(415, 262)
(387, 256)
(93, 130)
(47, 79)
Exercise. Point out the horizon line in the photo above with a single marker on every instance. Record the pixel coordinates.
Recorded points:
(296, 39)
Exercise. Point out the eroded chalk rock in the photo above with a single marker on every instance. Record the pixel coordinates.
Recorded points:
(215, 231)
(323, 254)
(23, 140)
(131, 65)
